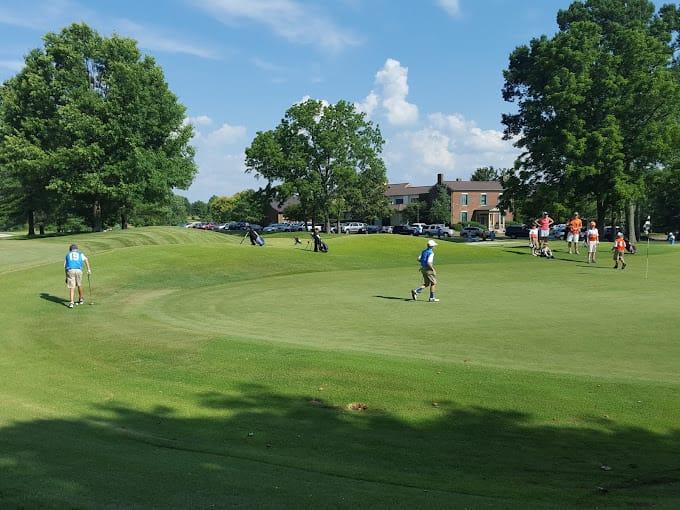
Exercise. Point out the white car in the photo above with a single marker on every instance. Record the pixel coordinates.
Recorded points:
(418, 228)
(353, 227)
(438, 229)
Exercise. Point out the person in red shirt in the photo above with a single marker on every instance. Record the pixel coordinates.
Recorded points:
(619, 249)
(544, 223)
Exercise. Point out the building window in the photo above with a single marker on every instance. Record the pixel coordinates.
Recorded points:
(464, 199)
(463, 216)
(398, 201)
(482, 199)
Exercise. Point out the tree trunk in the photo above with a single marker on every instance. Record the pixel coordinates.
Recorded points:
(601, 217)
(123, 221)
(328, 221)
(631, 222)
(31, 224)
(97, 217)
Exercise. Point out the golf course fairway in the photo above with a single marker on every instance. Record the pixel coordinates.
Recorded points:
(213, 374)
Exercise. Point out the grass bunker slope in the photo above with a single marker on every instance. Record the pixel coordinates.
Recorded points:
(214, 374)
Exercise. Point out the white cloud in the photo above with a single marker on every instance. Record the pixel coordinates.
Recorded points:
(220, 159)
(200, 120)
(226, 134)
(392, 84)
(12, 65)
(432, 147)
(452, 7)
(369, 104)
(298, 23)
(155, 40)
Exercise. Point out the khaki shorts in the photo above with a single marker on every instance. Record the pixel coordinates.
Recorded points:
(74, 278)
(428, 277)
(618, 255)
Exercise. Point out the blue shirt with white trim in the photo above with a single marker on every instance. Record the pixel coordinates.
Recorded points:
(74, 260)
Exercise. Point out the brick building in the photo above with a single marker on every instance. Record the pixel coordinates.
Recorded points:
(470, 201)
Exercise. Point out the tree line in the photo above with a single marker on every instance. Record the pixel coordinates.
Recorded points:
(90, 133)
(597, 116)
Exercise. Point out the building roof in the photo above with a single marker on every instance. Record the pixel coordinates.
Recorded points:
(404, 188)
(474, 185)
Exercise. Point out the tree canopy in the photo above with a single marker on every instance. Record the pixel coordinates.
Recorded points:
(90, 127)
(328, 155)
(597, 104)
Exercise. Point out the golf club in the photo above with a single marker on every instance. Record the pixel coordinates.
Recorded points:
(89, 286)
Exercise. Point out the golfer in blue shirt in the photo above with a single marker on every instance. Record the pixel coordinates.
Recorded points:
(426, 260)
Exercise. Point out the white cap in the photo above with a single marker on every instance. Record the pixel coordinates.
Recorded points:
(620, 234)
(431, 243)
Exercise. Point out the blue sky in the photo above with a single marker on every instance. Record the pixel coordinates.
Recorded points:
(429, 72)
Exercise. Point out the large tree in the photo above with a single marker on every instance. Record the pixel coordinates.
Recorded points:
(326, 154)
(486, 173)
(92, 122)
(598, 102)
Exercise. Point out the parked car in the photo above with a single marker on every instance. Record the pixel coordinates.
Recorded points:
(472, 232)
(418, 228)
(297, 227)
(386, 229)
(372, 229)
(406, 230)
(438, 229)
(558, 231)
(277, 227)
(610, 232)
(193, 224)
(353, 227)
(515, 231)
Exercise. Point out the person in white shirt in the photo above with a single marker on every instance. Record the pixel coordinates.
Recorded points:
(533, 240)
(593, 236)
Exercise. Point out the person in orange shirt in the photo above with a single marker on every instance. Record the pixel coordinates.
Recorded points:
(575, 225)
(593, 237)
(619, 249)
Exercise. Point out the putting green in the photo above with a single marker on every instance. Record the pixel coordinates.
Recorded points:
(210, 372)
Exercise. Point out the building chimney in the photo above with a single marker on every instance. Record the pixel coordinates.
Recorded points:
(440, 179)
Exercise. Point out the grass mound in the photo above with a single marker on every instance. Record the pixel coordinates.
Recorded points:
(210, 372)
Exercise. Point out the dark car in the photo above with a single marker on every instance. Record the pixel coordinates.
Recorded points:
(515, 231)
(405, 230)
(372, 229)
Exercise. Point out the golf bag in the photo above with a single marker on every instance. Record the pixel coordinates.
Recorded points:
(323, 247)
(547, 252)
(259, 241)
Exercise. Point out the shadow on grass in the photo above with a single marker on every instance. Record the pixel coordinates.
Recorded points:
(517, 252)
(394, 298)
(53, 299)
(260, 448)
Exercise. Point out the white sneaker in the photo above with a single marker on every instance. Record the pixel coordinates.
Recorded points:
(433, 300)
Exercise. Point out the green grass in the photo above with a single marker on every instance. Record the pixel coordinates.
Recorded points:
(214, 374)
